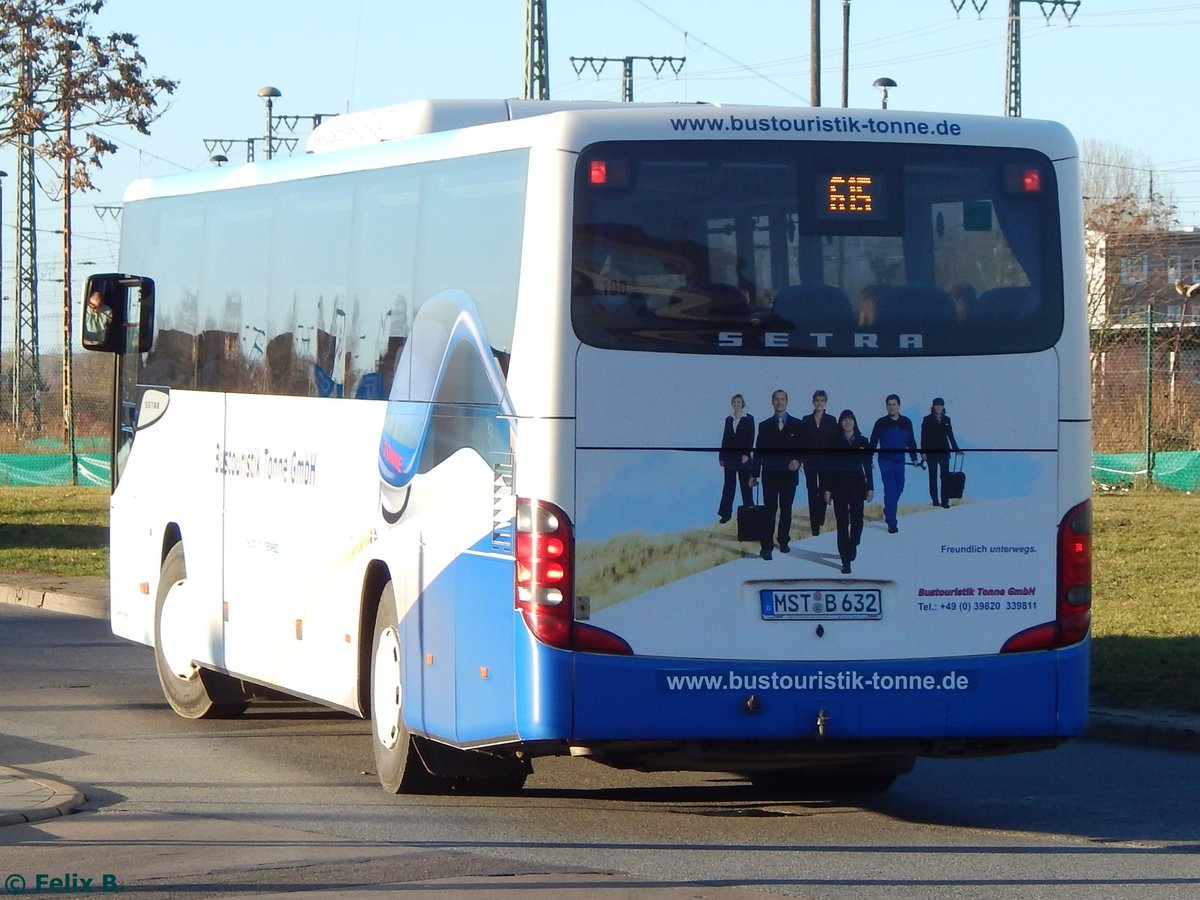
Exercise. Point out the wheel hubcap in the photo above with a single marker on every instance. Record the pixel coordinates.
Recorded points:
(174, 630)
(386, 689)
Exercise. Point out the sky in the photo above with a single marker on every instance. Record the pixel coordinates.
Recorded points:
(1117, 72)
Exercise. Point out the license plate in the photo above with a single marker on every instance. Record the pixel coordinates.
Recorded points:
(821, 603)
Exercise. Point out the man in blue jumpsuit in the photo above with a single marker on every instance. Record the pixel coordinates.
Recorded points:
(891, 437)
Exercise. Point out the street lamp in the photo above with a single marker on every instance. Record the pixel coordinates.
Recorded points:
(269, 94)
(218, 159)
(882, 84)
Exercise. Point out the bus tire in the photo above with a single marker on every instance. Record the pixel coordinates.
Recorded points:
(202, 693)
(397, 760)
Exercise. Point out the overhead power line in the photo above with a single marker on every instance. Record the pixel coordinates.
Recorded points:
(688, 36)
(657, 63)
(1012, 64)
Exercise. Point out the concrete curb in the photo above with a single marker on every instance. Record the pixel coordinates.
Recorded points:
(33, 597)
(26, 797)
(1160, 730)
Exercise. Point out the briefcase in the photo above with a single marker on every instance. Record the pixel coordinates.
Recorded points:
(956, 481)
(753, 523)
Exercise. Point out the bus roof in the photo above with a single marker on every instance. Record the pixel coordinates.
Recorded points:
(416, 117)
(430, 129)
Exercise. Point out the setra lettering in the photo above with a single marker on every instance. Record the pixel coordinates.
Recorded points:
(814, 340)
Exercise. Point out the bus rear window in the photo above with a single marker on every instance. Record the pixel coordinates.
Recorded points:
(841, 249)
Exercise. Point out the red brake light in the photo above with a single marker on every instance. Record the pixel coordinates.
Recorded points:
(1074, 602)
(598, 171)
(545, 582)
(1021, 179)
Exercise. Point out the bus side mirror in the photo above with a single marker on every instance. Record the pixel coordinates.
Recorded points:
(118, 314)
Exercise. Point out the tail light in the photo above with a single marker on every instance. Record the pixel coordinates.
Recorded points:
(545, 582)
(1074, 597)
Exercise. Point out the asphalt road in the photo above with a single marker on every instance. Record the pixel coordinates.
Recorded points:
(284, 798)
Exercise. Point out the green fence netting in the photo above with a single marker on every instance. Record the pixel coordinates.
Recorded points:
(1178, 470)
(49, 469)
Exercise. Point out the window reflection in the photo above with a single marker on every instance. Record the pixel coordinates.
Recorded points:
(309, 288)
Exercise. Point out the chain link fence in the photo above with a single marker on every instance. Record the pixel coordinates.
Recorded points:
(1146, 404)
(38, 444)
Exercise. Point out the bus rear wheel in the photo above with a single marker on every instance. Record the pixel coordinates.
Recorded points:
(396, 757)
(193, 692)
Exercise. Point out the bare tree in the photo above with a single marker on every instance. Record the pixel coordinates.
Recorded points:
(76, 83)
(62, 83)
(1122, 211)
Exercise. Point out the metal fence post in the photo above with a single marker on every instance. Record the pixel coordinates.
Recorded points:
(1149, 393)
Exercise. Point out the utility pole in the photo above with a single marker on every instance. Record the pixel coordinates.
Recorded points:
(537, 51)
(27, 382)
(1012, 65)
(658, 63)
(845, 53)
(815, 51)
(1012, 74)
(68, 395)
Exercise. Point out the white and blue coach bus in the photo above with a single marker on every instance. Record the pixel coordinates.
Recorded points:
(426, 425)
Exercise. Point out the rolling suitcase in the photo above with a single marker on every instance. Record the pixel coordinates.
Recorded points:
(752, 522)
(956, 480)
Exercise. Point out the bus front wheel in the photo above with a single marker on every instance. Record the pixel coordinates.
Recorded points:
(396, 758)
(193, 692)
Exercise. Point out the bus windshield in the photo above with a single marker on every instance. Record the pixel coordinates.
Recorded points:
(831, 249)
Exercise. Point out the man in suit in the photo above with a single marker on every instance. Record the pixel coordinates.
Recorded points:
(777, 455)
(817, 431)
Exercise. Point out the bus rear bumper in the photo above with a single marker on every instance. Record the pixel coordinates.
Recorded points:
(934, 707)
(894, 757)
